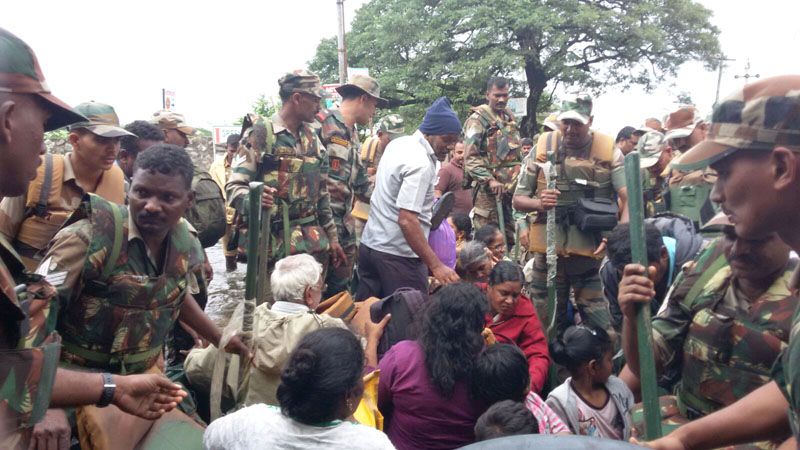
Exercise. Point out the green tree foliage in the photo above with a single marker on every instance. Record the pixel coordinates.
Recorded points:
(422, 49)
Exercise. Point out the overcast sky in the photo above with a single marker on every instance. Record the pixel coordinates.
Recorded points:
(220, 58)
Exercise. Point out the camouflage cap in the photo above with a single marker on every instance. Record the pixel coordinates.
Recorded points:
(681, 123)
(170, 120)
(102, 120)
(392, 124)
(367, 85)
(20, 74)
(759, 116)
(578, 107)
(551, 122)
(303, 81)
(649, 147)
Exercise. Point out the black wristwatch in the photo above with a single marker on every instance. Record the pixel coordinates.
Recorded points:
(108, 391)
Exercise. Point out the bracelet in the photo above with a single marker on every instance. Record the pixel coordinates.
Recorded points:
(108, 391)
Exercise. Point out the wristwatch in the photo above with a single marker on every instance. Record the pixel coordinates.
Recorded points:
(108, 391)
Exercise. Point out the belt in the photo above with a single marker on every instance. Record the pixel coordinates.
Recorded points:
(110, 360)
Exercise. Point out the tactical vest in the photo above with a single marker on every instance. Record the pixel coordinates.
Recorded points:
(296, 179)
(369, 152)
(44, 213)
(121, 318)
(596, 171)
(27, 370)
(727, 353)
(690, 192)
(501, 148)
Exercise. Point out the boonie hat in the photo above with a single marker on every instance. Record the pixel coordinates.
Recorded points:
(759, 116)
(577, 107)
(392, 124)
(551, 122)
(102, 120)
(681, 123)
(20, 74)
(366, 85)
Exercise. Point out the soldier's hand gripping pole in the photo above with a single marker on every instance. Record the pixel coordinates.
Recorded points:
(647, 367)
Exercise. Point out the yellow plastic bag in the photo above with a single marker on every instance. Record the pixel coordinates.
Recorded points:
(367, 412)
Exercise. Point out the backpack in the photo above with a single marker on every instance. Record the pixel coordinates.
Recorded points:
(207, 216)
(405, 305)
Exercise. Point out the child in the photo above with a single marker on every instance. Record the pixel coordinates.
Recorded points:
(506, 418)
(501, 373)
(592, 402)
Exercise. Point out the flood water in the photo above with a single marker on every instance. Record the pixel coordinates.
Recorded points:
(226, 289)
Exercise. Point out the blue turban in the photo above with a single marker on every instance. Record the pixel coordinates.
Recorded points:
(440, 119)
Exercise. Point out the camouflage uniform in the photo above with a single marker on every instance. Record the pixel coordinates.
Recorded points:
(117, 307)
(577, 266)
(297, 166)
(347, 179)
(650, 146)
(716, 344)
(371, 153)
(492, 152)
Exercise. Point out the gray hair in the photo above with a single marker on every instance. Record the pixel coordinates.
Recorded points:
(292, 275)
(472, 254)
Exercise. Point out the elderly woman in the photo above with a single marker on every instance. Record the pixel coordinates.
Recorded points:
(297, 284)
(474, 262)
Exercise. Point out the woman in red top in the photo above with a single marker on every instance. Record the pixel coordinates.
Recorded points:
(513, 320)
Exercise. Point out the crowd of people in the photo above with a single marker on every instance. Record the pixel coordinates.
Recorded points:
(420, 289)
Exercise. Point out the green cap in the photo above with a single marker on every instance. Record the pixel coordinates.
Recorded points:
(20, 74)
(578, 107)
(102, 120)
(392, 124)
(303, 81)
(758, 116)
(649, 147)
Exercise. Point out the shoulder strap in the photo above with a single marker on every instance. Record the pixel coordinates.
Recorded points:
(116, 246)
(270, 136)
(547, 144)
(46, 188)
(602, 146)
(47, 184)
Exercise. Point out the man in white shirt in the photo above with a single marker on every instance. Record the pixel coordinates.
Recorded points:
(394, 250)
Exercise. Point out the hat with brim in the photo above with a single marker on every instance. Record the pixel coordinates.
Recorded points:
(702, 155)
(102, 120)
(682, 122)
(551, 122)
(20, 73)
(364, 84)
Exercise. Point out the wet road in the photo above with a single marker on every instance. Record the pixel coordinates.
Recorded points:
(226, 289)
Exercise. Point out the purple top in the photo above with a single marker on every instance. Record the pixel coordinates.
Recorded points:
(416, 414)
(443, 242)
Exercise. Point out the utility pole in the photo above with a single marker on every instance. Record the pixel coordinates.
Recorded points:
(722, 61)
(747, 74)
(342, 48)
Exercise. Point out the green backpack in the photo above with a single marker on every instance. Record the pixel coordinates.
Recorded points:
(207, 215)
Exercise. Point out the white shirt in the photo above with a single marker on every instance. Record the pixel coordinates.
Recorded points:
(405, 180)
(264, 427)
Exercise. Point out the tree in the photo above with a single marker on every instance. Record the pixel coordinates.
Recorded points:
(263, 106)
(421, 49)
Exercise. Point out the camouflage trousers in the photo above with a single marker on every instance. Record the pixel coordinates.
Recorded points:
(340, 278)
(578, 276)
(484, 212)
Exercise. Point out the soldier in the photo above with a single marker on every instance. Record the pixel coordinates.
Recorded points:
(29, 221)
(493, 157)
(143, 135)
(689, 191)
(347, 176)
(655, 158)
(387, 129)
(220, 171)
(295, 170)
(584, 163)
(30, 350)
(129, 273)
(753, 146)
(174, 127)
(733, 300)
